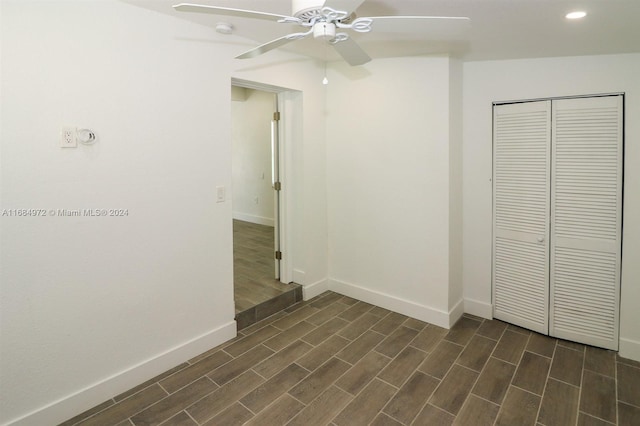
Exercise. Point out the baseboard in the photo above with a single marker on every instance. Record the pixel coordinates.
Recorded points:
(298, 276)
(99, 392)
(456, 312)
(629, 349)
(396, 304)
(312, 290)
(253, 219)
(479, 309)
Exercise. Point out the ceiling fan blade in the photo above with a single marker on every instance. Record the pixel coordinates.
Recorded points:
(264, 48)
(343, 5)
(436, 27)
(352, 52)
(240, 13)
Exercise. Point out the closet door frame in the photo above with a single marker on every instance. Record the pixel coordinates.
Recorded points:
(549, 327)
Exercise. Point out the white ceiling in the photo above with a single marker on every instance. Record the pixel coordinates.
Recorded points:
(500, 29)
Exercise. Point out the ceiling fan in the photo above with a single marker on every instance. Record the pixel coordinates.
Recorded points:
(329, 20)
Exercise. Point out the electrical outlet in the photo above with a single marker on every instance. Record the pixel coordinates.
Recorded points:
(68, 137)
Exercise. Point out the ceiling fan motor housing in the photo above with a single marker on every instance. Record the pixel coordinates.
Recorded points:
(306, 9)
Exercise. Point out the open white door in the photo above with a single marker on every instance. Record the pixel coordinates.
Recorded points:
(276, 185)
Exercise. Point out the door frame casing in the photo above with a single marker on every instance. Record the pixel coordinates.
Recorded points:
(289, 104)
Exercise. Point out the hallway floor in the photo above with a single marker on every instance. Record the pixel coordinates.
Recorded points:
(257, 294)
(335, 360)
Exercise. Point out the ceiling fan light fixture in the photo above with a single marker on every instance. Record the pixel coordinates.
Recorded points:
(324, 30)
(578, 14)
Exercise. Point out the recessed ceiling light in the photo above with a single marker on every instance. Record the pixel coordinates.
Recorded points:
(576, 15)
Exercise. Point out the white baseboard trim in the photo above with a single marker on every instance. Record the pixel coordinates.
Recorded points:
(298, 276)
(396, 304)
(456, 313)
(82, 400)
(254, 219)
(309, 291)
(629, 349)
(479, 309)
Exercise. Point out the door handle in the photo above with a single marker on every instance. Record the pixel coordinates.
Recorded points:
(540, 239)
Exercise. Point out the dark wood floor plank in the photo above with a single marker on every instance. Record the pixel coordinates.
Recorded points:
(402, 366)
(236, 367)
(531, 374)
(359, 347)
(322, 378)
(278, 361)
(195, 371)
(429, 338)
(462, 331)
(235, 415)
(511, 346)
(283, 340)
(323, 408)
(409, 400)
(476, 353)
(629, 384)
(128, 407)
(431, 415)
(389, 323)
(541, 345)
(355, 311)
(454, 389)
(559, 404)
(494, 380)
(323, 352)
(272, 389)
(567, 365)
(441, 359)
(598, 396)
(358, 376)
(493, 329)
(519, 408)
(174, 403)
(365, 407)
(278, 413)
(243, 345)
(600, 361)
(396, 341)
(477, 412)
(359, 326)
(226, 395)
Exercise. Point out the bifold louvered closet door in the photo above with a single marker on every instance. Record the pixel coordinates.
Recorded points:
(557, 217)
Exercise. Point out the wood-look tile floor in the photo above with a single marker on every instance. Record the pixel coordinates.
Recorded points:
(337, 361)
(253, 265)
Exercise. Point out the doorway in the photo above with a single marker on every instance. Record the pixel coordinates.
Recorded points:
(261, 275)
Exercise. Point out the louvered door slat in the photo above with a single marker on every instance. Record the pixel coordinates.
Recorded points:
(521, 214)
(586, 220)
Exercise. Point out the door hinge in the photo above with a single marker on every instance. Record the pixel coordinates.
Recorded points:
(276, 116)
(277, 186)
(278, 255)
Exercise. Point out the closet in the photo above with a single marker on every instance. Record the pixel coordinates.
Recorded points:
(557, 222)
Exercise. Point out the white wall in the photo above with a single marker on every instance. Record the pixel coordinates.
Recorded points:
(388, 130)
(485, 82)
(92, 306)
(253, 195)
